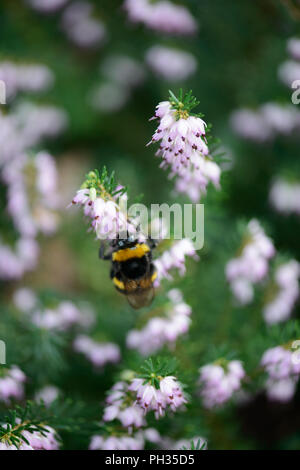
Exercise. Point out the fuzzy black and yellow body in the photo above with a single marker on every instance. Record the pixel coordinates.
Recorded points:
(133, 271)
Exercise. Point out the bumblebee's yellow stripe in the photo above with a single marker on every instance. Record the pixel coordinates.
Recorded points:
(154, 276)
(118, 283)
(137, 251)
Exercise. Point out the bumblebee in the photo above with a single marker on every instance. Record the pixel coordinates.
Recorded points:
(132, 270)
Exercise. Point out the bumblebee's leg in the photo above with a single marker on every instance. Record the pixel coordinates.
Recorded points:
(102, 254)
(152, 243)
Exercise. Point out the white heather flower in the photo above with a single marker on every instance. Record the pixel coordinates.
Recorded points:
(164, 330)
(174, 258)
(183, 148)
(126, 442)
(251, 266)
(280, 307)
(81, 27)
(249, 124)
(47, 394)
(97, 353)
(161, 16)
(283, 373)
(279, 363)
(285, 196)
(219, 382)
(194, 184)
(171, 64)
(149, 398)
(11, 384)
(121, 406)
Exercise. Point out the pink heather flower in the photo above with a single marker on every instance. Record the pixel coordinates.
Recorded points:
(46, 6)
(161, 16)
(107, 218)
(289, 71)
(47, 394)
(97, 353)
(219, 383)
(36, 122)
(160, 331)
(251, 266)
(171, 64)
(283, 119)
(285, 196)
(65, 316)
(24, 127)
(279, 363)
(283, 370)
(130, 415)
(32, 202)
(24, 78)
(11, 384)
(281, 306)
(126, 442)
(174, 258)
(123, 70)
(265, 123)
(14, 262)
(149, 398)
(81, 27)
(293, 48)
(184, 150)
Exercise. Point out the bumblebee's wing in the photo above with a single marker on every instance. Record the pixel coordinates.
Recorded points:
(141, 297)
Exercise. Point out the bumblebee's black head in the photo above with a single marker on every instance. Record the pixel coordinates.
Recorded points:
(122, 243)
